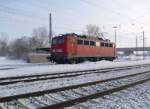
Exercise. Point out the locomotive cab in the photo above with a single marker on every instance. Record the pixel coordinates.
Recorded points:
(58, 49)
(57, 45)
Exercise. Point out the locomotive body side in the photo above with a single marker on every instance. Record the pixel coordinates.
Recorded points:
(92, 49)
(73, 49)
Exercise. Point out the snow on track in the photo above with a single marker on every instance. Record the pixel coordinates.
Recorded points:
(50, 84)
(40, 69)
(85, 92)
(137, 97)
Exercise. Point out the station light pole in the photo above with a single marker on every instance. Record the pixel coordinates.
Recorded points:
(136, 41)
(115, 27)
(50, 29)
(136, 45)
(143, 34)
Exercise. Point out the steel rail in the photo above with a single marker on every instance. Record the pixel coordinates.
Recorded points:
(40, 77)
(39, 93)
(92, 96)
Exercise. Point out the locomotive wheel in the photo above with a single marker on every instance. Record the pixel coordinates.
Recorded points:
(72, 61)
(110, 59)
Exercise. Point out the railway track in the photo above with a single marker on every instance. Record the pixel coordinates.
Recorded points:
(47, 76)
(74, 94)
(9, 67)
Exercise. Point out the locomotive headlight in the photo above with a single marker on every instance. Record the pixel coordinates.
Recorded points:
(57, 50)
(53, 50)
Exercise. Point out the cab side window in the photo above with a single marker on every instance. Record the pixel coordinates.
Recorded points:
(92, 43)
(80, 42)
(106, 44)
(102, 44)
(110, 45)
(86, 42)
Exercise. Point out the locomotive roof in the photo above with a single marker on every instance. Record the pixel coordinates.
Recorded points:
(83, 36)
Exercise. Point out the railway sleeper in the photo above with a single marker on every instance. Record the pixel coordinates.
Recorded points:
(69, 94)
(31, 103)
(45, 100)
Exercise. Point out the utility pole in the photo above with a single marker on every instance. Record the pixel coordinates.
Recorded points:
(50, 29)
(143, 43)
(136, 45)
(115, 35)
(115, 38)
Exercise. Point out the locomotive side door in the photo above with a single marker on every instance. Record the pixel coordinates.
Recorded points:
(73, 46)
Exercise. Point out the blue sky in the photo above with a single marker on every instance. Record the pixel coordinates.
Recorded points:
(19, 17)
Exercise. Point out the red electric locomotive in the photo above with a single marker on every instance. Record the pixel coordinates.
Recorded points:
(72, 48)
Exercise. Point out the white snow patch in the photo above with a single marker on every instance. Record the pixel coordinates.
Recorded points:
(68, 67)
(5, 61)
(18, 88)
(23, 68)
(137, 97)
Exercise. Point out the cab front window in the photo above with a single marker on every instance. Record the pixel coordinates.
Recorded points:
(57, 41)
(54, 42)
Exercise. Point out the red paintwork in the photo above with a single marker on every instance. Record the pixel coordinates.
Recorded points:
(71, 49)
(60, 46)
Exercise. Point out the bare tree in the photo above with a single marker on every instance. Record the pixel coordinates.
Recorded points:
(19, 47)
(39, 38)
(4, 44)
(93, 30)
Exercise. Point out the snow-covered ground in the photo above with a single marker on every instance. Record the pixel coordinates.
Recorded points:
(132, 58)
(8, 62)
(137, 97)
(130, 96)
(49, 68)
(62, 82)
